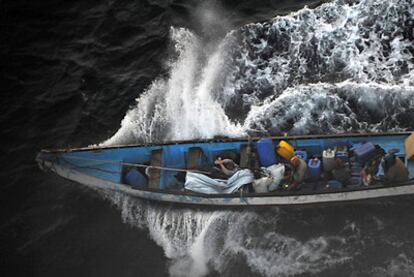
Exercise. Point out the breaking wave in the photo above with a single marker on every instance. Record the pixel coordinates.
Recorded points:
(345, 66)
(187, 104)
(360, 48)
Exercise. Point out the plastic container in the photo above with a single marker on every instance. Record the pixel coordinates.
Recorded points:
(356, 145)
(265, 148)
(328, 159)
(303, 155)
(343, 155)
(285, 150)
(314, 169)
(364, 152)
(136, 179)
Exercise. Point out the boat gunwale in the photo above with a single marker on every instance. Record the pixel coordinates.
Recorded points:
(226, 139)
(278, 193)
(176, 196)
(278, 205)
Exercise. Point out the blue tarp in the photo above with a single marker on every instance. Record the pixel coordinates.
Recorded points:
(204, 184)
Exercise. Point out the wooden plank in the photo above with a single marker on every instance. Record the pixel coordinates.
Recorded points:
(409, 146)
(155, 174)
(194, 157)
(245, 154)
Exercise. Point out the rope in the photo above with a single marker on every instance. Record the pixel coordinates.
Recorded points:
(139, 165)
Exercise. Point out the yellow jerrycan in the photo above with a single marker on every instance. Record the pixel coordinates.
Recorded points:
(285, 150)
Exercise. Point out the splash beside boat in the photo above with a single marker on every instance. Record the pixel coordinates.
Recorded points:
(106, 168)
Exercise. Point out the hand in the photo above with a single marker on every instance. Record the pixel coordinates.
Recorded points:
(219, 161)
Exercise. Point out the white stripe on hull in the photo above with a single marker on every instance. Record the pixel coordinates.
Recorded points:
(97, 183)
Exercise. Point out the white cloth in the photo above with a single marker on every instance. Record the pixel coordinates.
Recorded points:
(262, 185)
(278, 172)
(273, 176)
(204, 184)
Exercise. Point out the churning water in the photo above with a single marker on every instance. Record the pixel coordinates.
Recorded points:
(345, 66)
(72, 69)
(197, 241)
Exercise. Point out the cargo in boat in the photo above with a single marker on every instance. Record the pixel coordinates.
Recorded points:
(160, 171)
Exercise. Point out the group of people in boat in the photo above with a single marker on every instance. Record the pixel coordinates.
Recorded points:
(363, 164)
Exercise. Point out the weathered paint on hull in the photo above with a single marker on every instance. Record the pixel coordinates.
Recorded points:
(334, 197)
(112, 163)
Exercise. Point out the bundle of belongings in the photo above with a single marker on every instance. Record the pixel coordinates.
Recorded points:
(225, 177)
(264, 180)
(228, 177)
(269, 178)
(282, 167)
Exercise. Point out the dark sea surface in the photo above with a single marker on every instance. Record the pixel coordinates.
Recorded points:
(76, 73)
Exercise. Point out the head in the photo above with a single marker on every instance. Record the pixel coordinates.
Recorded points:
(388, 161)
(295, 161)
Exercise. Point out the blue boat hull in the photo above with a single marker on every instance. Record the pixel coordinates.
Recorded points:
(102, 169)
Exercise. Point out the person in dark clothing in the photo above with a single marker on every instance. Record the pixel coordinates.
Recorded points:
(371, 167)
(394, 168)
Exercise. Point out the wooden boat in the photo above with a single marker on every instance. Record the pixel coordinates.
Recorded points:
(104, 168)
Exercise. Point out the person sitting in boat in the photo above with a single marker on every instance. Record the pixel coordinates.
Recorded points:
(394, 168)
(300, 169)
(227, 166)
(371, 167)
(341, 172)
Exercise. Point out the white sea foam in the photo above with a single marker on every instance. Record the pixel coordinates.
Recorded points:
(344, 41)
(198, 241)
(186, 105)
(345, 66)
(341, 107)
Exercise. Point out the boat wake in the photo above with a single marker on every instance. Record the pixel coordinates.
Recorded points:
(200, 241)
(274, 241)
(345, 66)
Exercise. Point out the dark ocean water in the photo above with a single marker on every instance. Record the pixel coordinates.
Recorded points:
(75, 73)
